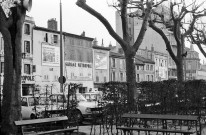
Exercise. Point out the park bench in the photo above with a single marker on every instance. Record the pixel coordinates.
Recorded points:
(158, 123)
(45, 126)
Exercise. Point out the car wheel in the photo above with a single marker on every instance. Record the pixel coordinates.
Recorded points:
(78, 116)
(32, 116)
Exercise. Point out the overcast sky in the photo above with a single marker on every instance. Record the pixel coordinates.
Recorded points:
(75, 20)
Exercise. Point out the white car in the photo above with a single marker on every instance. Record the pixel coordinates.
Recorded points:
(36, 104)
(83, 109)
(27, 113)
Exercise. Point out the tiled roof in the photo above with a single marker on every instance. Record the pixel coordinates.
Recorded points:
(144, 60)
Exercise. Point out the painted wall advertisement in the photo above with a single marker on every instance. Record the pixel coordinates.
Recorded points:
(78, 70)
(50, 55)
(100, 60)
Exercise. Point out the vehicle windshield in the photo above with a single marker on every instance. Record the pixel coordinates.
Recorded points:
(32, 101)
(80, 97)
(92, 96)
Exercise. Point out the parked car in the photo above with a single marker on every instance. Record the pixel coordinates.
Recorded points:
(83, 109)
(28, 113)
(36, 104)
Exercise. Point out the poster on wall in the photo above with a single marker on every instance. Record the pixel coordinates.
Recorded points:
(50, 55)
(100, 60)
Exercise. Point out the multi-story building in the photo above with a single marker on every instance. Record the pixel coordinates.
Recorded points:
(117, 67)
(41, 58)
(191, 63)
(79, 60)
(145, 71)
(160, 66)
(144, 68)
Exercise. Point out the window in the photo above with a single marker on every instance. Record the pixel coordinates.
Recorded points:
(27, 29)
(27, 47)
(147, 78)
(55, 39)
(138, 79)
(151, 67)
(138, 68)
(105, 79)
(46, 37)
(97, 78)
(46, 77)
(113, 62)
(121, 76)
(152, 78)
(27, 69)
(121, 63)
(113, 76)
(2, 67)
(2, 44)
(34, 68)
(147, 67)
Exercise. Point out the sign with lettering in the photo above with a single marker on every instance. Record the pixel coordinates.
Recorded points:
(78, 64)
(79, 71)
(27, 79)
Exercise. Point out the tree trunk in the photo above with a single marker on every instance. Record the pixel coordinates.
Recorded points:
(131, 79)
(180, 71)
(12, 34)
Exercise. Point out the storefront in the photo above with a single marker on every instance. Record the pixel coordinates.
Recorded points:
(28, 85)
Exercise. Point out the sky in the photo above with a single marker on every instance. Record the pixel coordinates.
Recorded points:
(75, 20)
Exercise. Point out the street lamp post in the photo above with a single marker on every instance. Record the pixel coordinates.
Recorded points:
(61, 51)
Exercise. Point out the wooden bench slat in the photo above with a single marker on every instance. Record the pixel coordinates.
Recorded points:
(159, 116)
(57, 131)
(157, 130)
(38, 121)
(47, 125)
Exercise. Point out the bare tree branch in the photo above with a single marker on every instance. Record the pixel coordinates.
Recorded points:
(167, 42)
(83, 5)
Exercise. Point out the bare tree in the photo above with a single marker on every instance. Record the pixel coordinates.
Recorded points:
(129, 49)
(178, 13)
(11, 28)
(198, 37)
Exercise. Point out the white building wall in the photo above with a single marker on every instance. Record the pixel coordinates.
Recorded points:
(46, 75)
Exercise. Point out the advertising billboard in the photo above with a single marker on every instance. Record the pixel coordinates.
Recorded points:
(100, 60)
(50, 55)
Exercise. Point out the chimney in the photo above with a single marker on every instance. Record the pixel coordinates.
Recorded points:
(152, 48)
(102, 42)
(83, 34)
(95, 42)
(110, 45)
(52, 24)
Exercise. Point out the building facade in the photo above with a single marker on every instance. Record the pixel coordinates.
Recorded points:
(117, 67)
(79, 61)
